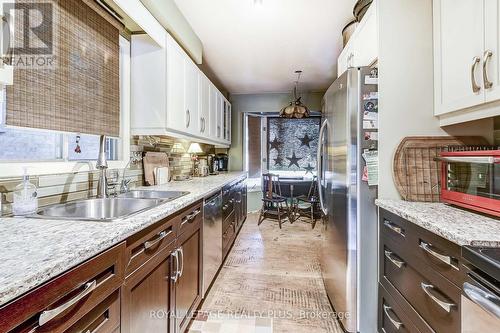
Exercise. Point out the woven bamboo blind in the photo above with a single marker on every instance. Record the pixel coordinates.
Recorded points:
(80, 91)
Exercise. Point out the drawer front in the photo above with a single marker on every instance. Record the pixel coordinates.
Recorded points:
(61, 302)
(104, 318)
(418, 244)
(391, 317)
(190, 217)
(147, 244)
(394, 227)
(436, 299)
(438, 253)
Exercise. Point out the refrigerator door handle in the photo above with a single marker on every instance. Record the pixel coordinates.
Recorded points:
(319, 165)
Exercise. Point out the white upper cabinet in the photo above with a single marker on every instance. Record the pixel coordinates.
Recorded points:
(362, 48)
(491, 56)
(191, 96)
(220, 117)
(177, 113)
(213, 111)
(458, 49)
(171, 96)
(204, 115)
(466, 73)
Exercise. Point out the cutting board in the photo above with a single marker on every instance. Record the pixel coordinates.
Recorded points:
(151, 161)
(416, 173)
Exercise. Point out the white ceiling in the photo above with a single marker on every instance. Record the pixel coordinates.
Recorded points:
(255, 48)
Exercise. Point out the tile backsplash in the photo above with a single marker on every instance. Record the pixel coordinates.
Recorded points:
(59, 188)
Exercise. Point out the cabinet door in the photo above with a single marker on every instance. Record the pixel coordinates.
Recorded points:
(188, 285)
(220, 116)
(365, 44)
(491, 56)
(342, 62)
(458, 52)
(228, 122)
(176, 113)
(213, 112)
(191, 93)
(204, 117)
(147, 298)
(224, 119)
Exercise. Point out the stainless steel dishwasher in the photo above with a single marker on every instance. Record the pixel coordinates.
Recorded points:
(212, 239)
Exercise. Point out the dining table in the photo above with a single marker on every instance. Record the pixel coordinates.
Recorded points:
(293, 187)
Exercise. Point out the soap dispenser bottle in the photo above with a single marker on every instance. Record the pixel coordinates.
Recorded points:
(25, 197)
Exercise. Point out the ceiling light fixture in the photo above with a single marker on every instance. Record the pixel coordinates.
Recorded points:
(295, 109)
(258, 2)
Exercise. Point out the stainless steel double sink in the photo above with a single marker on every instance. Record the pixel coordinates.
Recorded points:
(108, 209)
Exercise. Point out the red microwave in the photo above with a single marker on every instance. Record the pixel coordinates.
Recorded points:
(471, 179)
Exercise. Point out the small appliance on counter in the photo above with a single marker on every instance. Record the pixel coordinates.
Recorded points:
(201, 169)
(213, 164)
(222, 162)
(471, 179)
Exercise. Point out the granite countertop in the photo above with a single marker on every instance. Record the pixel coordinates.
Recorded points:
(33, 251)
(457, 225)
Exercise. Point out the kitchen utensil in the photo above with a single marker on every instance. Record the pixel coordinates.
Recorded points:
(161, 175)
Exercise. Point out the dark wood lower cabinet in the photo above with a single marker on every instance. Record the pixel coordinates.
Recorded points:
(149, 283)
(188, 285)
(423, 271)
(147, 301)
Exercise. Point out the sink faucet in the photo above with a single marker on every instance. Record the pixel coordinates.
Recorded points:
(102, 165)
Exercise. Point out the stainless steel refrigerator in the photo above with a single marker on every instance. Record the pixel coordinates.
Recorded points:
(349, 252)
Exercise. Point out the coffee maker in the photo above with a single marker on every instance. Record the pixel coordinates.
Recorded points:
(222, 162)
(213, 164)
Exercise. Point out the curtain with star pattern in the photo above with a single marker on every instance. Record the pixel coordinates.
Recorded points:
(292, 144)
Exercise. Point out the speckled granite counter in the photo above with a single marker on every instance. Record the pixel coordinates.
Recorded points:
(33, 251)
(457, 225)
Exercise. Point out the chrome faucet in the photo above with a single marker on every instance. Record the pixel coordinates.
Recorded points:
(102, 165)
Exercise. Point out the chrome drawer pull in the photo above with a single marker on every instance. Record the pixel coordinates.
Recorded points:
(428, 248)
(176, 273)
(190, 217)
(397, 324)
(445, 305)
(394, 227)
(48, 315)
(398, 263)
(161, 236)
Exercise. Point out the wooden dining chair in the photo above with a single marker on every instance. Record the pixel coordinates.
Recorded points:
(274, 205)
(308, 205)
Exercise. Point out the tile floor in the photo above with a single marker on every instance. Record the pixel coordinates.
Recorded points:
(270, 283)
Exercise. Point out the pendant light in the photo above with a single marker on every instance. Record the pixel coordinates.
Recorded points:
(295, 109)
